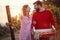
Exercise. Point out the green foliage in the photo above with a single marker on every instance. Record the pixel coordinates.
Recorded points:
(16, 23)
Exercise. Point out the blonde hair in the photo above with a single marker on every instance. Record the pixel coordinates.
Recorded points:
(24, 9)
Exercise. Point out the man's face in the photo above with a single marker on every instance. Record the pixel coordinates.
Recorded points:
(37, 7)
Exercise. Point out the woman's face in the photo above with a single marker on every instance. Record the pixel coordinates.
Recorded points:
(28, 9)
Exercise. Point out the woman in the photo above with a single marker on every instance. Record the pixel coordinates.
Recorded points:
(26, 20)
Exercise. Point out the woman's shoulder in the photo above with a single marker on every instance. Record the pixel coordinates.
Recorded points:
(23, 17)
(31, 16)
(20, 16)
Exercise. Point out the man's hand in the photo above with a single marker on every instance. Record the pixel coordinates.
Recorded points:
(54, 30)
(34, 22)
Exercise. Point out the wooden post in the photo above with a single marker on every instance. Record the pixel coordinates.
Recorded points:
(10, 22)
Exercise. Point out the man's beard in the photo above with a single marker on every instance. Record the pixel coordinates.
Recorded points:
(37, 10)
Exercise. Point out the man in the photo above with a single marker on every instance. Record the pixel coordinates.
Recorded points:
(43, 19)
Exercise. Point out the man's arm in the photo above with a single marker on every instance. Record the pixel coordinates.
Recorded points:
(33, 21)
(53, 22)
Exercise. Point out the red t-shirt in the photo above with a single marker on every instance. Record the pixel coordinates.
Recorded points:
(44, 20)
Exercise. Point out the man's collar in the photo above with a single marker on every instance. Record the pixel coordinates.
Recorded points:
(42, 9)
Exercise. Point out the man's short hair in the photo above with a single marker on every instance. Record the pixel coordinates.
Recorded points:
(38, 3)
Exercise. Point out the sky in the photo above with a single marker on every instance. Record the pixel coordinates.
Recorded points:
(15, 7)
